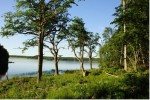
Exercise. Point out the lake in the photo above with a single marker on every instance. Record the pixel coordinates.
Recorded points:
(24, 65)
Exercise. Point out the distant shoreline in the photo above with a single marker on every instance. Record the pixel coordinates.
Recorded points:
(51, 58)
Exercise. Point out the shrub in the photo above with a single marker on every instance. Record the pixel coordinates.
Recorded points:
(95, 72)
(4, 55)
(137, 85)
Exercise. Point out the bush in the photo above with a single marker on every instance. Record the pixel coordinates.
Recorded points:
(137, 85)
(114, 71)
(96, 72)
(4, 58)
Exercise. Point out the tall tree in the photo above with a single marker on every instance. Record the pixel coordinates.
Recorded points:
(29, 18)
(136, 40)
(56, 29)
(77, 39)
(125, 47)
(35, 18)
(92, 42)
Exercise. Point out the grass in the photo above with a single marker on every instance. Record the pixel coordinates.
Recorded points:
(74, 86)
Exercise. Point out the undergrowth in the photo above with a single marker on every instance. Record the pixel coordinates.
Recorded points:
(73, 85)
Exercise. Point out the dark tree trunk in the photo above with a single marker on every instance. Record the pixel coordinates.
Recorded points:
(56, 63)
(40, 56)
(142, 55)
(120, 61)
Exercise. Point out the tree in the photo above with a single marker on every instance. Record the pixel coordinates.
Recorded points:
(136, 17)
(54, 40)
(4, 58)
(109, 51)
(92, 42)
(133, 33)
(56, 29)
(125, 47)
(77, 39)
(108, 32)
(35, 18)
(30, 19)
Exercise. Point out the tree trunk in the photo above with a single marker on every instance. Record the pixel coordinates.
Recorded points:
(135, 60)
(7, 75)
(40, 56)
(142, 55)
(90, 59)
(120, 61)
(125, 47)
(56, 63)
(125, 58)
(82, 58)
(81, 66)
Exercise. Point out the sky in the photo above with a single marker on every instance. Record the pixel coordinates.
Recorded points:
(96, 14)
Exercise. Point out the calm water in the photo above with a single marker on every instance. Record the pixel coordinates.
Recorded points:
(23, 65)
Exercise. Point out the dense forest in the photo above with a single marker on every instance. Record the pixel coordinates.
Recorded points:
(129, 40)
(123, 71)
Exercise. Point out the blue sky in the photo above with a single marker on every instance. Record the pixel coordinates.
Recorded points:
(97, 14)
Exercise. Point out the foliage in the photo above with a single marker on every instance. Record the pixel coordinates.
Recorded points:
(75, 86)
(136, 37)
(136, 18)
(114, 71)
(77, 39)
(92, 42)
(108, 32)
(41, 19)
(55, 29)
(110, 52)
